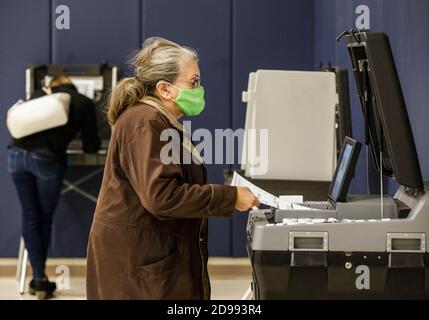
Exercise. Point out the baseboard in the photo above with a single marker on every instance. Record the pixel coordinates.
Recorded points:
(218, 267)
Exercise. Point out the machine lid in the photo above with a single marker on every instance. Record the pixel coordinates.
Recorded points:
(383, 105)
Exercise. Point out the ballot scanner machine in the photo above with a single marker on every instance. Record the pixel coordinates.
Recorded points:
(353, 246)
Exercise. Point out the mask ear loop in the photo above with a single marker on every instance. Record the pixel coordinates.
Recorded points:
(180, 89)
(174, 100)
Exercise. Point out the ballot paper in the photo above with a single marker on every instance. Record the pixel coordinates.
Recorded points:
(262, 195)
(293, 203)
(293, 199)
(287, 202)
(268, 198)
(295, 206)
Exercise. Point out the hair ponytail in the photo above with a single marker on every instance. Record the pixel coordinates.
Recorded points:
(126, 93)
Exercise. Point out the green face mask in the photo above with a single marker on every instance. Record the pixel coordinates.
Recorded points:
(190, 101)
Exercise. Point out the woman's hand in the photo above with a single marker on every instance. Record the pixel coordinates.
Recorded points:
(245, 199)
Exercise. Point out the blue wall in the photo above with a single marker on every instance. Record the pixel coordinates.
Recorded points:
(233, 37)
(406, 23)
(24, 34)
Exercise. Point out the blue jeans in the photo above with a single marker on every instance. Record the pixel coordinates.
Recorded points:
(38, 181)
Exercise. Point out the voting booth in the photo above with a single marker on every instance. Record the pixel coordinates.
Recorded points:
(94, 81)
(353, 246)
(306, 116)
(297, 108)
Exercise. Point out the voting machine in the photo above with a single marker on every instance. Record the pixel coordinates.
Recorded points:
(353, 246)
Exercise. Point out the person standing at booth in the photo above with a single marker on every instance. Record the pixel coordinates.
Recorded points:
(148, 239)
(37, 164)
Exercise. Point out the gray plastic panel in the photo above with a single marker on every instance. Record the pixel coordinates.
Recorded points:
(359, 236)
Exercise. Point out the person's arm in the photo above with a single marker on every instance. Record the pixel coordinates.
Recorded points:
(89, 130)
(160, 187)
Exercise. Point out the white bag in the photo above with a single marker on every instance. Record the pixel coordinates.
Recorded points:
(32, 116)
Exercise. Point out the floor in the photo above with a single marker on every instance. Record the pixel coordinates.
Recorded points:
(227, 281)
(227, 289)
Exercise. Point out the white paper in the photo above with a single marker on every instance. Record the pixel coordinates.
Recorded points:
(266, 197)
(285, 202)
(263, 196)
(293, 199)
(293, 203)
(301, 207)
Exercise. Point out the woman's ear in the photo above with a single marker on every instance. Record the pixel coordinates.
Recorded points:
(164, 90)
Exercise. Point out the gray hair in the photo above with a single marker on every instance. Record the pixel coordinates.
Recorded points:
(159, 59)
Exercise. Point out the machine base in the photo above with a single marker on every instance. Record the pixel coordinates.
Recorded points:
(339, 275)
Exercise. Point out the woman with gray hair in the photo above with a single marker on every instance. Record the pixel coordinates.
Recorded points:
(149, 235)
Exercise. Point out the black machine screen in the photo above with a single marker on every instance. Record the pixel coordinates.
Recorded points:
(344, 171)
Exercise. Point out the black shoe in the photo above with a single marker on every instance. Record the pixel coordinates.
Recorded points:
(43, 289)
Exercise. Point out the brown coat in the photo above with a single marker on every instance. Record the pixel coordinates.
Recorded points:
(149, 235)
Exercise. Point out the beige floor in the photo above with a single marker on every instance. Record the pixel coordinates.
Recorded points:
(230, 280)
(228, 289)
